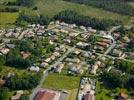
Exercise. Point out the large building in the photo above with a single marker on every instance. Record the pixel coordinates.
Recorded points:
(47, 95)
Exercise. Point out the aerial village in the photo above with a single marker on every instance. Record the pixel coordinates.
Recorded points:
(72, 51)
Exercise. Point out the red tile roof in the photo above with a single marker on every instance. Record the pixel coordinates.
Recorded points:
(44, 95)
(88, 97)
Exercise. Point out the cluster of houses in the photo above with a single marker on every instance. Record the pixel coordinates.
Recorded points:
(52, 58)
(11, 33)
(95, 67)
(56, 54)
(102, 44)
(87, 89)
(33, 30)
(73, 26)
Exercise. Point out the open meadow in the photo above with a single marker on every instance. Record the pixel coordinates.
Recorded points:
(7, 19)
(53, 7)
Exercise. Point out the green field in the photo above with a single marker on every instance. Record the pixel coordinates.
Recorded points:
(63, 82)
(2, 1)
(101, 92)
(7, 18)
(5, 69)
(52, 7)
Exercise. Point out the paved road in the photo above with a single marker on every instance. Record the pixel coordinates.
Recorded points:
(113, 29)
(46, 72)
(22, 34)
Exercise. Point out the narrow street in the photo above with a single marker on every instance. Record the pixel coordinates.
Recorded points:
(46, 72)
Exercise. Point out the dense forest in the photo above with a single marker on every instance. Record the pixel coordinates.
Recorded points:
(118, 6)
(42, 20)
(69, 16)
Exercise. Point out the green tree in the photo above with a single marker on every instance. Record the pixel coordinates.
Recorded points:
(25, 2)
(4, 94)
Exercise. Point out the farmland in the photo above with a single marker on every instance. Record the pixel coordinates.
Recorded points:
(7, 18)
(52, 7)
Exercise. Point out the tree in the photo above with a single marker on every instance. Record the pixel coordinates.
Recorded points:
(4, 94)
(24, 17)
(25, 82)
(69, 16)
(125, 66)
(130, 83)
(131, 45)
(112, 78)
(2, 60)
(24, 97)
(25, 2)
(118, 6)
(14, 59)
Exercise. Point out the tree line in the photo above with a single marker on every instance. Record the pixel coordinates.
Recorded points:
(121, 76)
(118, 6)
(24, 82)
(113, 79)
(23, 17)
(71, 17)
(27, 3)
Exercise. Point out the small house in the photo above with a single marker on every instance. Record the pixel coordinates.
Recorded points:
(34, 69)
(18, 95)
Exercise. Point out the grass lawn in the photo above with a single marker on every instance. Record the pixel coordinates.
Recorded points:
(63, 82)
(2, 1)
(131, 3)
(52, 7)
(7, 18)
(5, 69)
(101, 92)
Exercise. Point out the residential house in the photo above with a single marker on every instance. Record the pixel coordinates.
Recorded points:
(122, 96)
(56, 54)
(77, 52)
(108, 41)
(102, 44)
(73, 34)
(95, 67)
(83, 28)
(64, 31)
(18, 95)
(91, 30)
(10, 46)
(4, 51)
(43, 64)
(48, 60)
(2, 82)
(117, 53)
(82, 44)
(67, 40)
(75, 60)
(34, 69)
(84, 35)
(25, 54)
(59, 68)
(40, 32)
(56, 30)
(57, 22)
(28, 33)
